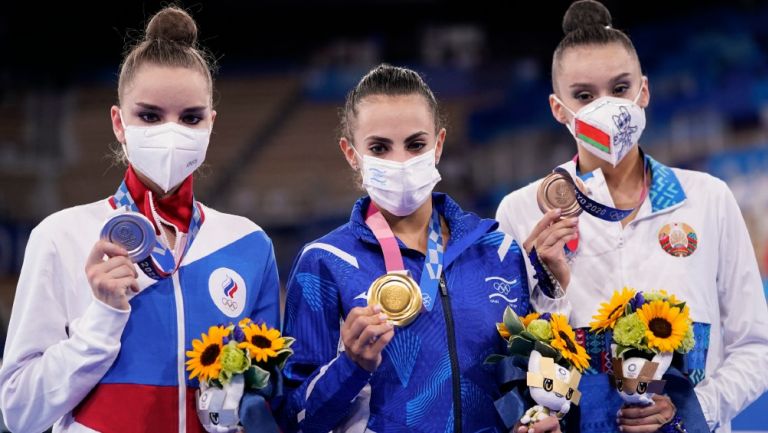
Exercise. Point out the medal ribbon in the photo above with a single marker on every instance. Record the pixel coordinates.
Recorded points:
(393, 259)
(160, 263)
(598, 209)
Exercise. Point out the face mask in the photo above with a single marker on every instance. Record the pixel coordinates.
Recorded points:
(166, 153)
(608, 127)
(400, 187)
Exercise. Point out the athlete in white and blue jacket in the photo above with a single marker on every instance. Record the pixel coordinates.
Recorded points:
(97, 343)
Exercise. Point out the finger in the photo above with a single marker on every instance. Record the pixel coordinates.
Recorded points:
(120, 285)
(543, 223)
(135, 286)
(639, 412)
(546, 425)
(383, 340)
(369, 335)
(116, 262)
(356, 327)
(568, 223)
(667, 408)
(653, 420)
(129, 284)
(361, 322)
(372, 332)
(639, 428)
(103, 247)
(552, 236)
(112, 263)
(122, 271)
(358, 311)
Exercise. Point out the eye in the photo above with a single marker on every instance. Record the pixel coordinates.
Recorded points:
(548, 385)
(620, 89)
(618, 384)
(149, 117)
(642, 387)
(191, 119)
(415, 146)
(569, 394)
(377, 148)
(582, 96)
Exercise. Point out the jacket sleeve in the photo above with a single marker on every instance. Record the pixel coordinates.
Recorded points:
(321, 382)
(741, 377)
(267, 307)
(506, 215)
(50, 363)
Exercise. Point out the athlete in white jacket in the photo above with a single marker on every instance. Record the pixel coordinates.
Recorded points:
(686, 236)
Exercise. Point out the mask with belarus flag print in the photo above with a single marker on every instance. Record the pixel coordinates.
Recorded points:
(608, 127)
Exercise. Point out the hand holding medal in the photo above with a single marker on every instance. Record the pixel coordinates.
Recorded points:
(365, 333)
(548, 238)
(126, 238)
(111, 279)
(394, 298)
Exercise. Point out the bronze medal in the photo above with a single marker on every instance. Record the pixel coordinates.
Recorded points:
(555, 191)
(399, 296)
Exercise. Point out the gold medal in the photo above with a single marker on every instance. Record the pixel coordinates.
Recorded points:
(399, 296)
(555, 191)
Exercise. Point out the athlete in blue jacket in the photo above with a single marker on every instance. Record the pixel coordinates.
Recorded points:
(354, 369)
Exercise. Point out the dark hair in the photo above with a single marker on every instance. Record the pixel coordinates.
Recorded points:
(588, 22)
(170, 39)
(389, 81)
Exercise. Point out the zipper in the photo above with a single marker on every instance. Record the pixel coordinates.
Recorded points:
(451, 334)
(180, 353)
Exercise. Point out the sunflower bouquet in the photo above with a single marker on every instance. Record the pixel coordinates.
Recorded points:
(647, 327)
(230, 360)
(544, 345)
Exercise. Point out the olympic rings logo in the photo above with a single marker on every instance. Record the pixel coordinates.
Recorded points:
(229, 303)
(501, 287)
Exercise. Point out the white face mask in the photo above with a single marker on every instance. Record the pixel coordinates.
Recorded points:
(165, 153)
(608, 127)
(400, 187)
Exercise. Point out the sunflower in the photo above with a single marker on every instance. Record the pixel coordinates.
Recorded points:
(610, 311)
(666, 325)
(503, 330)
(529, 318)
(262, 342)
(205, 357)
(565, 341)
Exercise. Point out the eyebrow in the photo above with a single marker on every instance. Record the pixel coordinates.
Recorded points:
(619, 77)
(389, 141)
(159, 109)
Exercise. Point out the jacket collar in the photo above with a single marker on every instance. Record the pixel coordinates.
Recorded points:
(665, 191)
(176, 208)
(465, 227)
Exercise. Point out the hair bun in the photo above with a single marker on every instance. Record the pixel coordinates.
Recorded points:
(172, 24)
(585, 14)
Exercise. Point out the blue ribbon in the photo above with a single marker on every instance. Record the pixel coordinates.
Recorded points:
(592, 207)
(511, 373)
(680, 389)
(255, 412)
(433, 262)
